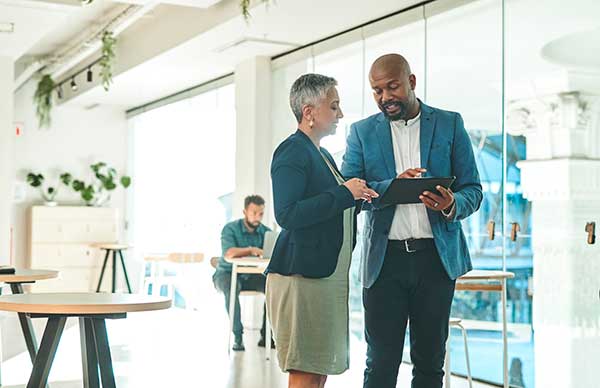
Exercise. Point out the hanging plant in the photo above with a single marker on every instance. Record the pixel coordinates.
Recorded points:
(43, 100)
(245, 6)
(107, 59)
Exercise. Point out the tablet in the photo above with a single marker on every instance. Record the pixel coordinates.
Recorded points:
(407, 190)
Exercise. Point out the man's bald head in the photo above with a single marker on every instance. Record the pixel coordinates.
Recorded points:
(393, 87)
(390, 64)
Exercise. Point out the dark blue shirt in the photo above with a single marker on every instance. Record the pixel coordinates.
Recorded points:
(236, 235)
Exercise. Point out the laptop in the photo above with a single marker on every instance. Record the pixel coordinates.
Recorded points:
(269, 243)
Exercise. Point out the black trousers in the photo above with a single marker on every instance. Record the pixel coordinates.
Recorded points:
(245, 282)
(414, 289)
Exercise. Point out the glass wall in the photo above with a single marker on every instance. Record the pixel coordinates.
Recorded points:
(184, 174)
(494, 62)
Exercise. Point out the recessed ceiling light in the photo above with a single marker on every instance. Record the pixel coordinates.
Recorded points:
(7, 28)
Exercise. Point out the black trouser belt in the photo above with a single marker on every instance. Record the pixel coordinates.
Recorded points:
(411, 245)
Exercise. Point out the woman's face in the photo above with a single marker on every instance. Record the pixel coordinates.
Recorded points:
(327, 113)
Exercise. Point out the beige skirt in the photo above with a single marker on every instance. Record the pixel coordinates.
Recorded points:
(310, 316)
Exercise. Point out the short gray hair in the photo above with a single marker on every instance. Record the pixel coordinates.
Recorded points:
(308, 90)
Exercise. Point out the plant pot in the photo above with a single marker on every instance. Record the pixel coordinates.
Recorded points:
(50, 203)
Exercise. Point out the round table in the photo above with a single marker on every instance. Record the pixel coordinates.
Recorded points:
(92, 309)
(16, 281)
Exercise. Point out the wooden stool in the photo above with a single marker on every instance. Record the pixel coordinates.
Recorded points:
(114, 248)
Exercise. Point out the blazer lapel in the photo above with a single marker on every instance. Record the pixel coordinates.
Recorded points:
(384, 135)
(426, 136)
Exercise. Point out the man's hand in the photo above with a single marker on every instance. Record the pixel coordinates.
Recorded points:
(412, 173)
(256, 252)
(436, 202)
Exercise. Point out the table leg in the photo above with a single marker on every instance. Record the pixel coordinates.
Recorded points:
(26, 325)
(125, 271)
(232, 294)
(114, 271)
(103, 353)
(504, 337)
(102, 272)
(267, 335)
(89, 358)
(45, 357)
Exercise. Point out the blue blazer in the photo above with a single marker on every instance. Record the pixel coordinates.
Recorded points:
(309, 206)
(445, 151)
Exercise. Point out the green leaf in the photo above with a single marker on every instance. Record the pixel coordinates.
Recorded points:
(78, 185)
(107, 59)
(35, 180)
(66, 178)
(125, 181)
(87, 193)
(44, 99)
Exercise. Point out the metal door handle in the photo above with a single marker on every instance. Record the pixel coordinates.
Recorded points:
(590, 228)
(491, 229)
(515, 228)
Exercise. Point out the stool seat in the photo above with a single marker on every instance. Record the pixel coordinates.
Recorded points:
(111, 246)
(454, 321)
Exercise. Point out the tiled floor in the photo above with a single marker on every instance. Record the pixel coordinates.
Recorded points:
(179, 348)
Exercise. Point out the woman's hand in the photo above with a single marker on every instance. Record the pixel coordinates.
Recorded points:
(358, 188)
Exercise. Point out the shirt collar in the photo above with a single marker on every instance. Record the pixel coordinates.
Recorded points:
(407, 123)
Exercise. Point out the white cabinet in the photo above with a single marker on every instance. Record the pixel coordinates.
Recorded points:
(60, 238)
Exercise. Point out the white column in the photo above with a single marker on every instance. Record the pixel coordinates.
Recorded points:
(561, 177)
(253, 132)
(7, 138)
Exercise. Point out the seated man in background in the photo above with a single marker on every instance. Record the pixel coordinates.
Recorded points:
(241, 238)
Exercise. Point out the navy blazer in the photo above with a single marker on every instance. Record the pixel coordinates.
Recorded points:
(309, 207)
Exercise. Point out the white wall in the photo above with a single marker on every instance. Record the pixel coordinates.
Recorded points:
(6, 154)
(76, 138)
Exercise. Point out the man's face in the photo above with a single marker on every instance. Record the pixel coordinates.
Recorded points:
(393, 90)
(254, 214)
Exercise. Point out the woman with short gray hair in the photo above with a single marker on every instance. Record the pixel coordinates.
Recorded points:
(307, 278)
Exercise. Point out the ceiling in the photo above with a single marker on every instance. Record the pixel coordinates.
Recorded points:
(174, 46)
(191, 57)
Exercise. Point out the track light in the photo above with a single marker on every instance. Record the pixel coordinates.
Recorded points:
(90, 75)
(59, 91)
(73, 85)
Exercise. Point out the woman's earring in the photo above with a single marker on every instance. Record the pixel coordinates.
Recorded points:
(311, 123)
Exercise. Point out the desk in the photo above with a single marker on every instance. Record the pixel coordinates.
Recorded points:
(92, 309)
(16, 281)
(114, 248)
(490, 281)
(246, 265)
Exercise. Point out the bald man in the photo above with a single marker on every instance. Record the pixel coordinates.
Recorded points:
(412, 254)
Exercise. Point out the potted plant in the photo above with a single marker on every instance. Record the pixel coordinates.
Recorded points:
(97, 192)
(36, 180)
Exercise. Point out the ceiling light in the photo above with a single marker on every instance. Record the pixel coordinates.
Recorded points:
(59, 91)
(73, 85)
(90, 75)
(7, 28)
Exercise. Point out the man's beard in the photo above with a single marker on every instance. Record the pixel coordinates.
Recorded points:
(253, 225)
(400, 115)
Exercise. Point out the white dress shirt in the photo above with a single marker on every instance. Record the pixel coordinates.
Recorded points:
(410, 221)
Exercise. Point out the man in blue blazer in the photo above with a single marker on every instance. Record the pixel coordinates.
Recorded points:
(412, 254)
